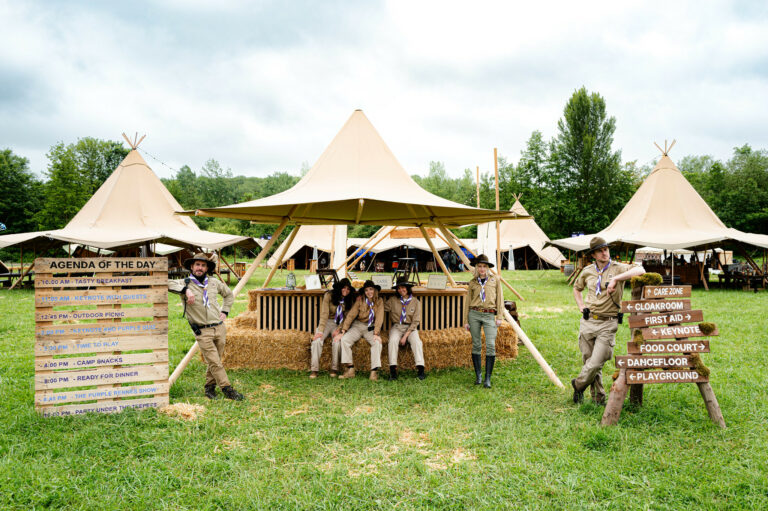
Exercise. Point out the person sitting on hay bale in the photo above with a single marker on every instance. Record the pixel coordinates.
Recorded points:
(333, 310)
(200, 292)
(483, 309)
(364, 320)
(404, 317)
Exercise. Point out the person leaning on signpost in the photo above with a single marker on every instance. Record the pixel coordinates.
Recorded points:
(483, 309)
(364, 320)
(333, 310)
(404, 316)
(604, 282)
(200, 292)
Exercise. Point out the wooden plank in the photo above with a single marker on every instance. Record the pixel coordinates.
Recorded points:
(110, 407)
(85, 330)
(86, 314)
(655, 305)
(673, 376)
(675, 332)
(101, 264)
(50, 398)
(118, 280)
(653, 361)
(100, 297)
(643, 320)
(101, 360)
(666, 291)
(50, 347)
(656, 347)
(101, 376)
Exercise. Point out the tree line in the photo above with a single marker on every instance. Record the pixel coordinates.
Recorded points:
(575, 182)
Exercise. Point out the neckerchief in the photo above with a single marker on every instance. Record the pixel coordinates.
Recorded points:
(370, 311)
(482, 287)
(204, 285)
(405, 304)
(339, 312)
(600, 277)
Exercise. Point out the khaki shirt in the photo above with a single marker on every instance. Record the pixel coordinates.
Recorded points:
(412, 311)
(197, 313)
(359, 311)
(474, 298)
(605, 303)
(328, 310)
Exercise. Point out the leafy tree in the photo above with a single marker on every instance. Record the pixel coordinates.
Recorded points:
(75, 172)
(22, 194)
(585, 174)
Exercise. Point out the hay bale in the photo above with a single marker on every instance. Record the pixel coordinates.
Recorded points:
(247, 319)
(290, 349)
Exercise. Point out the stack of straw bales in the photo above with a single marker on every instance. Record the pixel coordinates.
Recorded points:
(248, 347)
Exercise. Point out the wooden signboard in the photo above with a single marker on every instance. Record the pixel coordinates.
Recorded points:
(661, 361)
(655, 305)
(92, 354)
(642, 320)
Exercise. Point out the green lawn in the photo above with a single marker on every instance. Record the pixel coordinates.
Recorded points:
(441, 443)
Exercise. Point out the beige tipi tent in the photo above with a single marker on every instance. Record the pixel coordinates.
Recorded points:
(132, 207)
(666, 212)
(520, 234)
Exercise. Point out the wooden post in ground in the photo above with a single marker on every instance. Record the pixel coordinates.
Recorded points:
(615, 400)
(532, 349)
(238, 288)
(710, 401)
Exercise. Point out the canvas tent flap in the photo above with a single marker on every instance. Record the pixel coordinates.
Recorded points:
(130, 208)
(665, 212)
(357, 180)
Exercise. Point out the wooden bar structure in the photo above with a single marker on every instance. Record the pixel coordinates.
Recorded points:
(101, 376)
(283, 309)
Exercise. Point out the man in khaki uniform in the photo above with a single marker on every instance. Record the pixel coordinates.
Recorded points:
(604, 282)
(404, 317)
(200, 291)
(364, 320)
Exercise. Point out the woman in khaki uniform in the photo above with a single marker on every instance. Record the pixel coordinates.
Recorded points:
(364, 320)
(333, 310)
(404, 318)
(483, 310)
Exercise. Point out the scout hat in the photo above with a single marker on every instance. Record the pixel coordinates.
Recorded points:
(338, 286)
(369, 283)
(402, 281)
(482, 258)
(596, 243)
(200, 257)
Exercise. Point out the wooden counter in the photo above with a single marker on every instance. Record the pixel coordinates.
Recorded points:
(299, 309)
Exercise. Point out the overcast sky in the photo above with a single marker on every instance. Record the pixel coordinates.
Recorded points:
(264, 86)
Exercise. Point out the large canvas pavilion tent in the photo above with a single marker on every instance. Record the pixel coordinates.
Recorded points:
(666, 212)
(523, 235)
(132, 207)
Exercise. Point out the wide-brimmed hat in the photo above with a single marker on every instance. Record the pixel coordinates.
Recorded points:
(200, 257)
(338, 286)
(369, 283)
(482, 258)
(596, 243)
(402, 281)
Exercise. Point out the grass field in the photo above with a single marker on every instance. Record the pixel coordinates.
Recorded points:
(437, 444)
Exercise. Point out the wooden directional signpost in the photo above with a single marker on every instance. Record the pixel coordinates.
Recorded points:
(663, 352)
(101, 334)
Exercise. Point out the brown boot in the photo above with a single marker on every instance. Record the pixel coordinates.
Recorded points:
(348, 373)
(374, 375)
(313, 375)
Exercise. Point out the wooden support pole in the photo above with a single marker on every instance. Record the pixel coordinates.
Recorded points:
(24, 274)
(437, 255)
(279, 260)
(238, 288)
(353, 263)
(532, 349)
(710, 401)
(360, 248)
(221, 258)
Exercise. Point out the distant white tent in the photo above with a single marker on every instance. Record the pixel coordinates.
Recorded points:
(325, 238)
(519, 234)
(132, 207)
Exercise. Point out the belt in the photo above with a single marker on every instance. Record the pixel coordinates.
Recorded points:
(209, 326)
(479, 309)
(601, 317)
